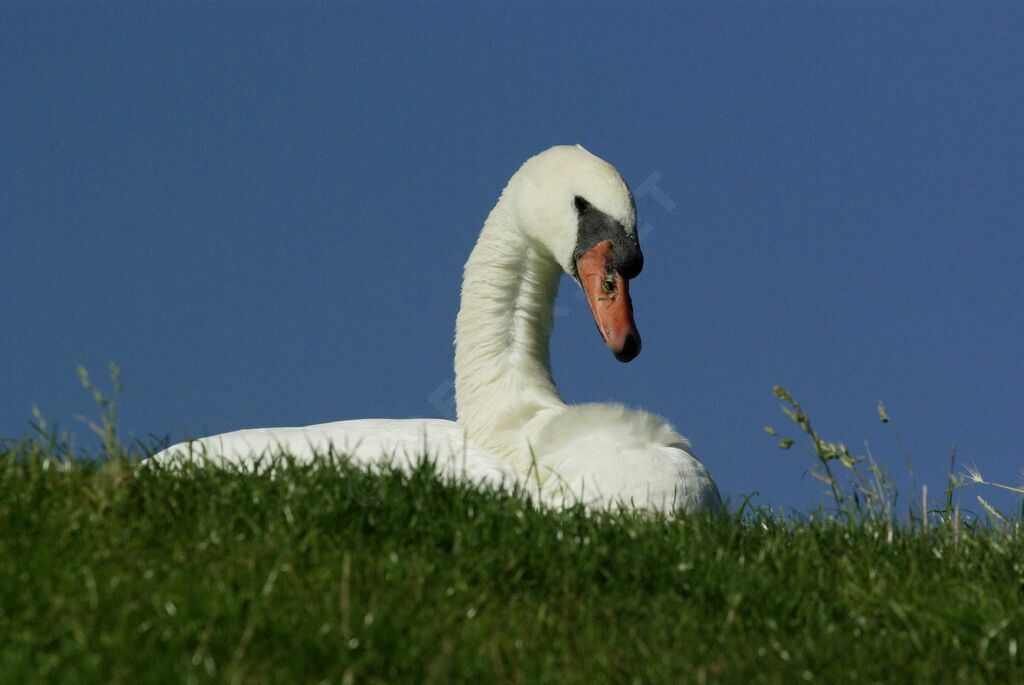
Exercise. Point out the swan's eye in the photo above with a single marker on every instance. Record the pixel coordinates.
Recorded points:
(608, 288)
(580, 204)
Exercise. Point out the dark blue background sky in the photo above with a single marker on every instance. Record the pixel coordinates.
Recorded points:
(261, 211)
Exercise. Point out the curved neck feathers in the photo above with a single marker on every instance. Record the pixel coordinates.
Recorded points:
(503, 383)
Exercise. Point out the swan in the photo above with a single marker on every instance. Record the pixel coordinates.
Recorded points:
(564, 211)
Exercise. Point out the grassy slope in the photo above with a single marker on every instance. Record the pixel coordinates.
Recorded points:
(113, 575)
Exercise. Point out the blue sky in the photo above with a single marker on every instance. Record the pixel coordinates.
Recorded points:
(261, 211)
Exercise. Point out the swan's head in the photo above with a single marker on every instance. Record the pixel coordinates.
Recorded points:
(577, 208)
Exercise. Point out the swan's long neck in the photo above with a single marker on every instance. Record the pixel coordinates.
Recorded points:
(503, 384)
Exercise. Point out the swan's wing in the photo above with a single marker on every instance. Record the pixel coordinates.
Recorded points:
(367, 442)
(604, 455)
(603, 475)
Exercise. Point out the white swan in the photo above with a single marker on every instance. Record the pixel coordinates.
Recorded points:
(565, 210)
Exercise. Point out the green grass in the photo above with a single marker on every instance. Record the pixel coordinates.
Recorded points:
(110, 574)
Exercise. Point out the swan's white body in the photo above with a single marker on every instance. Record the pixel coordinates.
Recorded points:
(370, 442)
(513, 426)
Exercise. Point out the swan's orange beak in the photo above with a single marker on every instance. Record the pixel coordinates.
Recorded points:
(608, 295)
